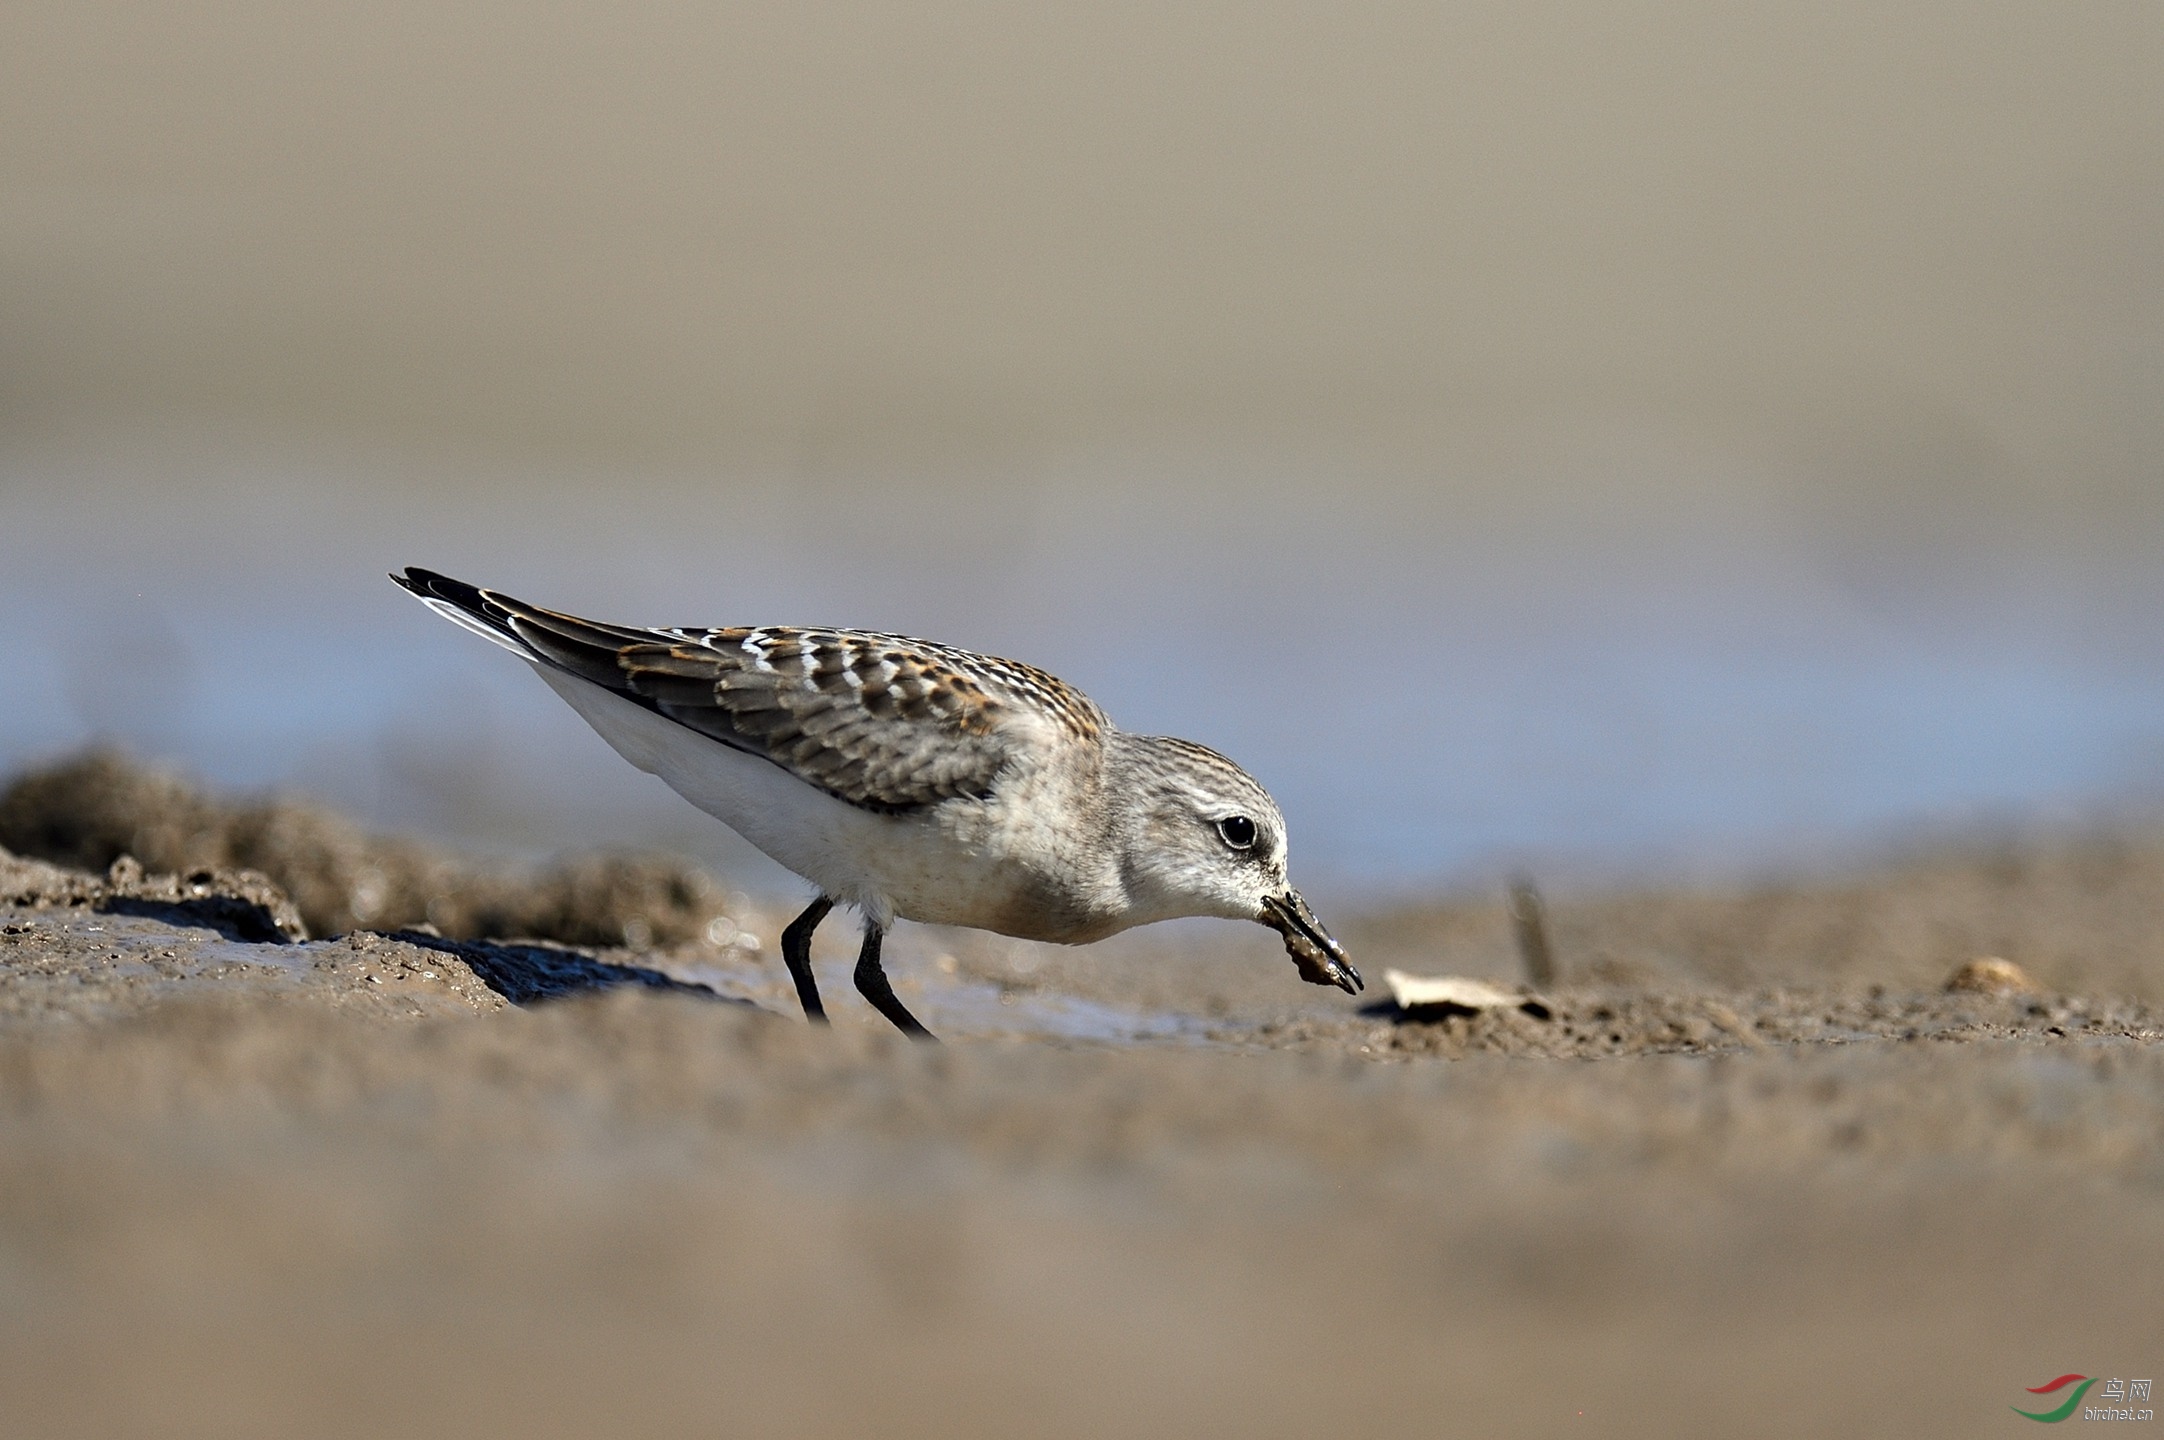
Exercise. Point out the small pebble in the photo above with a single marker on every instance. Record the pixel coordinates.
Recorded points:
(1989, 975)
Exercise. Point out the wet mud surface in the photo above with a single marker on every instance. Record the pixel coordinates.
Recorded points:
(483, 1167)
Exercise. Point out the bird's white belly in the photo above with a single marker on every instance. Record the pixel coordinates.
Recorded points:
(887, 865)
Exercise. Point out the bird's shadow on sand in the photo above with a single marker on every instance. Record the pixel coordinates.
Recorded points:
(526, 973)
(1435, 1014)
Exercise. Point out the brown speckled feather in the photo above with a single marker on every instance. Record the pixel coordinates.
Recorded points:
(884, 722)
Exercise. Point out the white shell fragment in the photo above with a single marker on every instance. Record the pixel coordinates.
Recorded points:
(1455, 992)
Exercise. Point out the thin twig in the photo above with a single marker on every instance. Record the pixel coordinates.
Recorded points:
(1529, 918)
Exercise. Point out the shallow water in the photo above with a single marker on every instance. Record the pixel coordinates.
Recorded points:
(1622, 684)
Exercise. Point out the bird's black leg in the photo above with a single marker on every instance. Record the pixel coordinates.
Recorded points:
(872, 984)
(796, 951)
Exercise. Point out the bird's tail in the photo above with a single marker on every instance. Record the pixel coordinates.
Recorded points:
(584, 648)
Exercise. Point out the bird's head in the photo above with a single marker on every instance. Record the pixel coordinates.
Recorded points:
(1203, 838)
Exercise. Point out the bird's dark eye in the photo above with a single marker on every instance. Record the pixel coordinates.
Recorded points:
(1237, 830)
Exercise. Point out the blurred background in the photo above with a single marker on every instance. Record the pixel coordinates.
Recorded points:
(1619, 440)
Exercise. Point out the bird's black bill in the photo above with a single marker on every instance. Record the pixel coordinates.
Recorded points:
(1321, 959)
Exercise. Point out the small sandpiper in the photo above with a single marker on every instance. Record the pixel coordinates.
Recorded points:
(916, 781)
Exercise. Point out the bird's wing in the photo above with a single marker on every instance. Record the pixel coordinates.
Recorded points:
(882, 721)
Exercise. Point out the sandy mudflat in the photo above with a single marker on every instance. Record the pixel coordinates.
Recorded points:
(475, 1165)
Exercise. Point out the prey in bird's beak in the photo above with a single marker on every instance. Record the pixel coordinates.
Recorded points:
(1321, 960)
